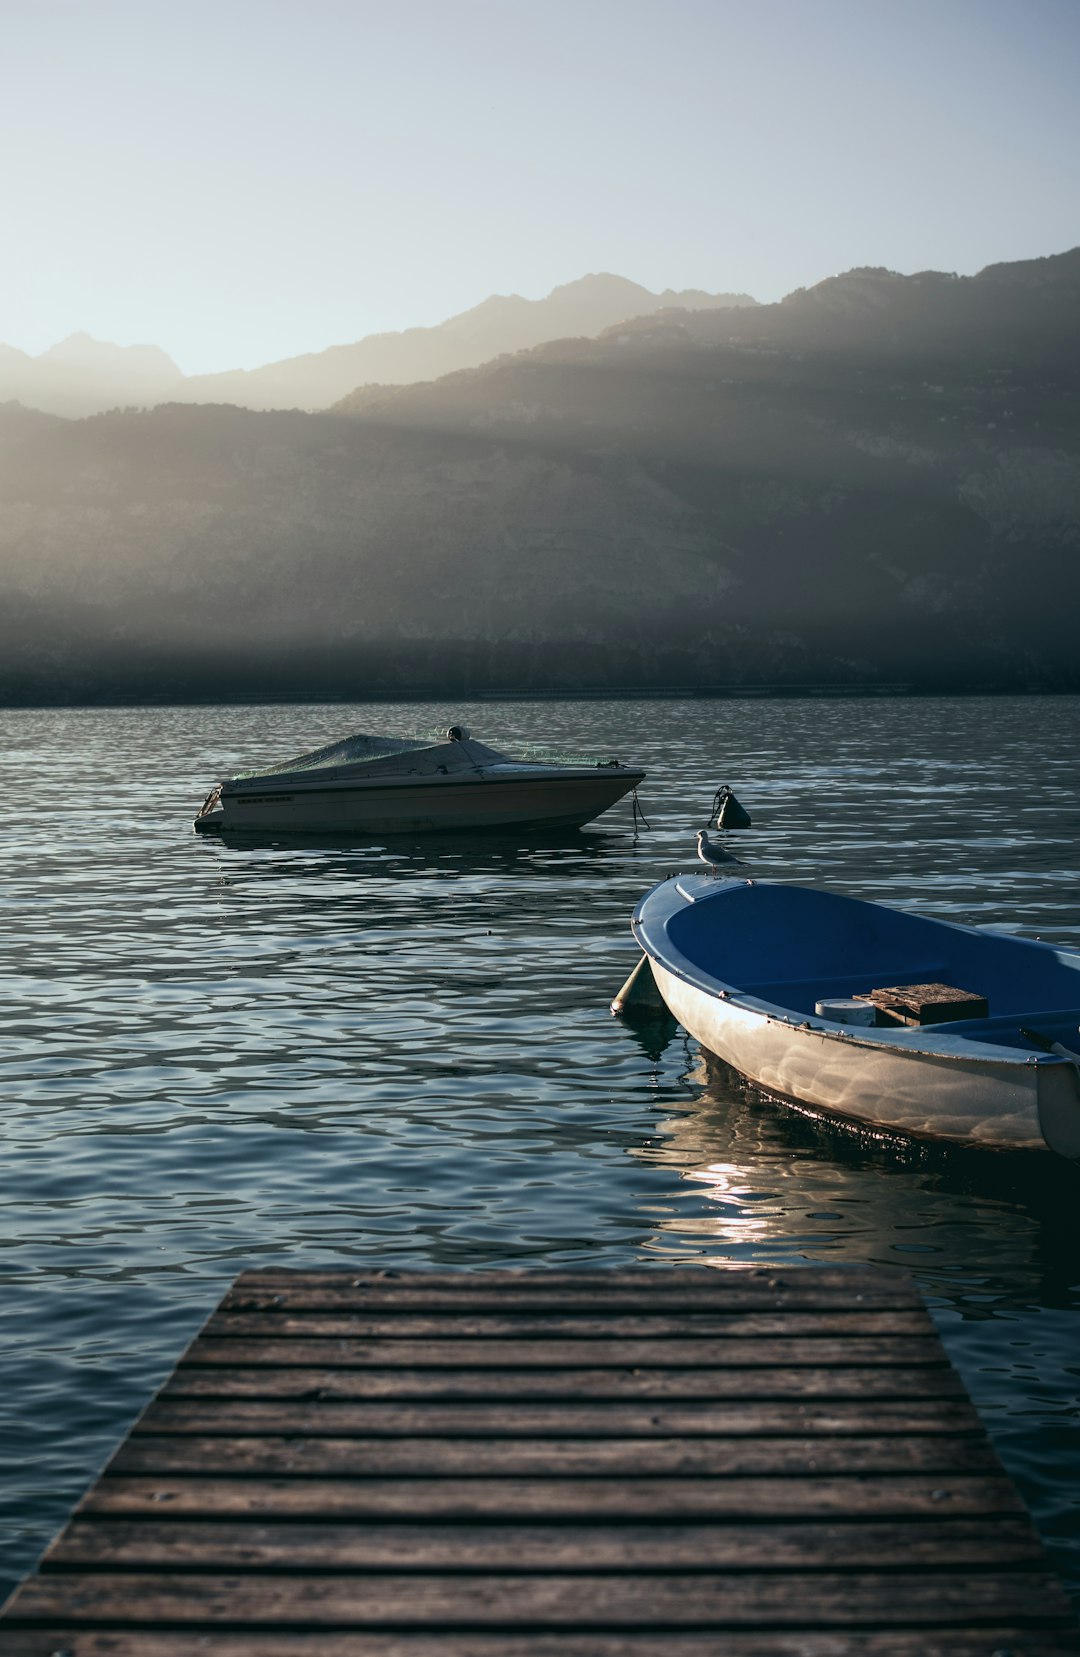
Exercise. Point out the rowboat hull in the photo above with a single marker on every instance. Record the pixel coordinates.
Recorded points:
(914, 1094)
(935, 1084)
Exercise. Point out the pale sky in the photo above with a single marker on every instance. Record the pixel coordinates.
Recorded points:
(243, 180)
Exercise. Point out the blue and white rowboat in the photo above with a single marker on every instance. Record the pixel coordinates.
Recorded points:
(742, 964)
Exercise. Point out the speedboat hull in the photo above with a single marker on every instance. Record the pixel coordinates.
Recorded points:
(975, 1082)
(554, 799)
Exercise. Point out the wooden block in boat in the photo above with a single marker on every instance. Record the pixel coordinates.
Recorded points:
(926, 1003)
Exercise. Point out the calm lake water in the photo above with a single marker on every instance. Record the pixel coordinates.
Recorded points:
(219, 1055)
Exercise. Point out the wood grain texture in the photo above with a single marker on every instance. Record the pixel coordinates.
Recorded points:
(190, 1380)
(711, 1351)
(568, 1418)
(568, 1458)
(653, 1463)
(632, 1289)
(309, 1322)
(719, 1599)
(923, 1642)
(158, 1544)
(811, 1496)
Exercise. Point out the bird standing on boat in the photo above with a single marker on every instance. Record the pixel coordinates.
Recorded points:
(711, 852)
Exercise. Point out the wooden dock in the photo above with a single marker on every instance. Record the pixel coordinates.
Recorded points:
(645, 1463)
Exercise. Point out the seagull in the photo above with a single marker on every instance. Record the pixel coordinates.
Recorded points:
(713, 853)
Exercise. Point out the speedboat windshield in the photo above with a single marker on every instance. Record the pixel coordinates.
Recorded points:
(351, 750)
(448, 749)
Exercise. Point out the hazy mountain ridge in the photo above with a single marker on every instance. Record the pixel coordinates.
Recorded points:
(792, 502)
(82, 376)
(1030, 312)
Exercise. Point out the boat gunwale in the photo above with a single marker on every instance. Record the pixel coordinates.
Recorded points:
(301, 782)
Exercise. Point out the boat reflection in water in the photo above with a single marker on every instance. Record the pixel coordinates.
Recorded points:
(771, 1182)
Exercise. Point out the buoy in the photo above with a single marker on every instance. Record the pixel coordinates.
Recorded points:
(727, 812)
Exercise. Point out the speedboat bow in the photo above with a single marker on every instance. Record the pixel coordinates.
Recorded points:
(891, 1020)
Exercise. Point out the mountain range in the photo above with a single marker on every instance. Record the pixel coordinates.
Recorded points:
(875, 481)
(83, 376)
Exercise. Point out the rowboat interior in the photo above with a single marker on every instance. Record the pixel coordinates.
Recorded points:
(804, 946)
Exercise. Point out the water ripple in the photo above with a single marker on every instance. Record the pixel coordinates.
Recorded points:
(221, 1055)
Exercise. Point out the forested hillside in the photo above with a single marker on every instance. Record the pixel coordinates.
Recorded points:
(877, 480)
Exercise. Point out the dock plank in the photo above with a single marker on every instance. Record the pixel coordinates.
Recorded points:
(924, 1642)
(674, 1289)
(568, 1458)
(811, 1496)
(647, 1546)
(191, 1380)
(326, 1418)
(718, 1599)
(650, 1463)
(708, 1352)
(360, 1325)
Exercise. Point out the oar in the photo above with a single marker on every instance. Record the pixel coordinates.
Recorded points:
(1048, 1046)
(639, 990)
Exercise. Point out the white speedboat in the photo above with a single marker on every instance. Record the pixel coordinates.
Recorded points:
(888, 1019)
(398, 785)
